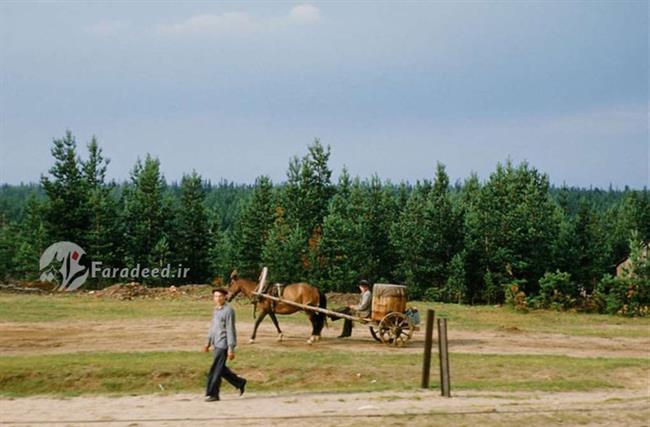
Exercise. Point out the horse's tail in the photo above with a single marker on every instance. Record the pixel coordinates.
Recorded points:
(320, 319)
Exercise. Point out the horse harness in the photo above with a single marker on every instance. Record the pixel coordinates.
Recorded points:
(275, 290)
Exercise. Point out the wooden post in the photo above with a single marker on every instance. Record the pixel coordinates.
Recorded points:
(428, 341)
(445, 381)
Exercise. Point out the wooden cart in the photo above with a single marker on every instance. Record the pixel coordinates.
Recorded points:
(388, 322)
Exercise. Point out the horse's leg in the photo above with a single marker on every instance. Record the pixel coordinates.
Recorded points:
(277, 325)
(318, 322)
(314, 327)
(316, 318)
(318, 325)
(257, 324)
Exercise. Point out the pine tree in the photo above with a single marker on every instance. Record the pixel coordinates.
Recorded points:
(631, 215)
(513, 225)
(341, 246)
(252, 228)
(426, 237)
(30, 240)
(445, 227)
(103, 236)
(8, 248)
(193, 230)
(306, 198)
(284, 251)
(410, 241)
(402, 197)
(456, 288)
(144, 216)
(222, 258)
(474, 265)
(379, 212)
(67, 216)
(590, 247)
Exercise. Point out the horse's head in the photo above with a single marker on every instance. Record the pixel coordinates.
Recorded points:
(234, 287)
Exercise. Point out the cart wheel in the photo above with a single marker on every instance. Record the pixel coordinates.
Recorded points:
(375, 333)
(395, 329)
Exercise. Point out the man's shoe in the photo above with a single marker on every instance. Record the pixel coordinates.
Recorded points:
(344, 336)
(242, 389)
(211, 399)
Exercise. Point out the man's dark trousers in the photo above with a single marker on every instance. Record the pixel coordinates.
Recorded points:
(219, 370)
(347, 324)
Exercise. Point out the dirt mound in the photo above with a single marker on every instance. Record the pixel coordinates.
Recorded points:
(194, 292)
(122, 291)
(35, 286)
(128, 291)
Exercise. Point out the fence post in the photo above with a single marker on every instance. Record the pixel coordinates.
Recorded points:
(428, 340)
(443, 351)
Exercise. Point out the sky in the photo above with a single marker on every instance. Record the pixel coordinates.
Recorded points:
(234, 90)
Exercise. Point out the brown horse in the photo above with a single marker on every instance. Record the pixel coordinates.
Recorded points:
(302, 293)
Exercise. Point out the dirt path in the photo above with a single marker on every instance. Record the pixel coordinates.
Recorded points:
(165, 335)
(630, 408)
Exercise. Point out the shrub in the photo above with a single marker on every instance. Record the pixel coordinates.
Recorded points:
(456, 287)
(627, 296)
(433, 294)
(556, 290)
(493, 290)
(515, 297)
(629, 293)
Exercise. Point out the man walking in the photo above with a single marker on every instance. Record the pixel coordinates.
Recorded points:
(223, 338)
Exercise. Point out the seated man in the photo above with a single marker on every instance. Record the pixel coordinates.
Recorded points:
(361, 310)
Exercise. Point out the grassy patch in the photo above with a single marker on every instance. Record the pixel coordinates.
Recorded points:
(70, 306)
(307, 370)
(539, 321)
(41, 308)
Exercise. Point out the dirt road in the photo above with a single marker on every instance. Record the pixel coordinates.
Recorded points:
(166, 335)
(629, 408)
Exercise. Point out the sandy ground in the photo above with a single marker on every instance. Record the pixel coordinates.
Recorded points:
(626, 408)
(165, 335)
(630, 407)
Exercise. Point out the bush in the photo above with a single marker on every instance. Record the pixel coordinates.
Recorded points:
(627, 296)
(514, 296)
(629, 293)
(456, 288)
(557, 291)
(493, 290)
(433, 295)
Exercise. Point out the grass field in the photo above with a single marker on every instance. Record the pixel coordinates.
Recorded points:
(312, 370)
(304, 368)
(46, 308)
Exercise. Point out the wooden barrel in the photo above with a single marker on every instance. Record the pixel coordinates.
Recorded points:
(386, 299)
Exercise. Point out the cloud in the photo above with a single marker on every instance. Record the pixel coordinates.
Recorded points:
(304, 14)
(239, 23)
(107, 28)
(225, 23)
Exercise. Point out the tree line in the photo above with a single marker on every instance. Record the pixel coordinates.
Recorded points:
(471, 242)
